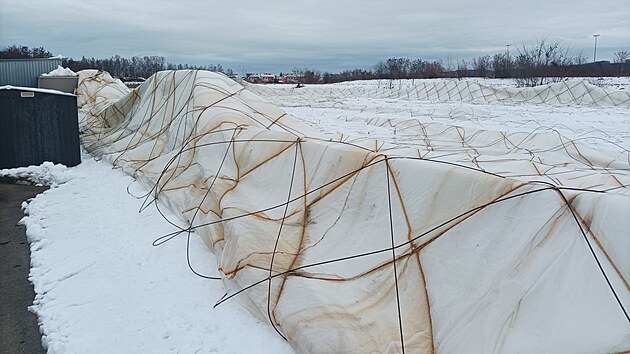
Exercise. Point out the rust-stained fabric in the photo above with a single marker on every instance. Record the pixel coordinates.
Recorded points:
(457, 241)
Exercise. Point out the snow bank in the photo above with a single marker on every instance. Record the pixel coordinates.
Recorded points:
(46, 174)
(61, 71)
(459, 241)
(101, 287)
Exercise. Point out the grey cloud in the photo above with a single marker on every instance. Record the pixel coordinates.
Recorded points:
(324, 35)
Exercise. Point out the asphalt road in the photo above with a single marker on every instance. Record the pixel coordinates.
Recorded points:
(19, 332)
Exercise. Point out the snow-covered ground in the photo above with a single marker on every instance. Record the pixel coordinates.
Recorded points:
(103, 288)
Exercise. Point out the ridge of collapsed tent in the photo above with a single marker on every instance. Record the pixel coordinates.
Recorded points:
(224, 157)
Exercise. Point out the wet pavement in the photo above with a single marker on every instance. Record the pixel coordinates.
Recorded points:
(19, 332)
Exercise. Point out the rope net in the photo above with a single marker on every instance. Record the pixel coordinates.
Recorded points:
(446, 240)
(568, 92)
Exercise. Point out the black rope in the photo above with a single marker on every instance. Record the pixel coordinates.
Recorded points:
(391, 233)
(232, 141)
(275, 246)
(168, 174)
(169, 236)
(387, 249)
(192, 220)
(599, 264)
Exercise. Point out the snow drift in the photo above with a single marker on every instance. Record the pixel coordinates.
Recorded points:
(456, 241)
(61, 71)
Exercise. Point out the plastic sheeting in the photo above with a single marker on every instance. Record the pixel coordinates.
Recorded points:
(456, 242)
(568, 92)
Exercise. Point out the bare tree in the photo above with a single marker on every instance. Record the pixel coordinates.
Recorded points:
(462, 68)
(311, 76)
(580, 59)
(380, 70)
(306, 76)
(542, 63)
(433, 70)
(416, 69)
(621, 56)
(481, 65)
(502, 66)
(398, 67)
(448, 67)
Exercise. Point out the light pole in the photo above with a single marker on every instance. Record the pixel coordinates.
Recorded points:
(508, 63)
(595, 51)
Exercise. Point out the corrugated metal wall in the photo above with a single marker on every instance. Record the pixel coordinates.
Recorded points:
(24, 72)
(37, 127)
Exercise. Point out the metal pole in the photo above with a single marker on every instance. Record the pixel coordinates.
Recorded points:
(508, 64)
(595, 51)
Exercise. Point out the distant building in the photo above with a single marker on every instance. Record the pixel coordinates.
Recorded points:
(288, 79)
(266, 78)
(253, 78)
(25, 72)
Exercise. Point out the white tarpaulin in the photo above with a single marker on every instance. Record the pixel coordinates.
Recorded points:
(452, 241)
(572, 92)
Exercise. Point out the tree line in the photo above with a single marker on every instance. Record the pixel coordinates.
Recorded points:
(543, 62)
(137, 67)
(133, 68)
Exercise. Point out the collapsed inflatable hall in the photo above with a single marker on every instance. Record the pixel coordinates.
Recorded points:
(451, 242)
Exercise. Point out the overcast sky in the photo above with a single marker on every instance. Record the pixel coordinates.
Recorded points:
(325, 35)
